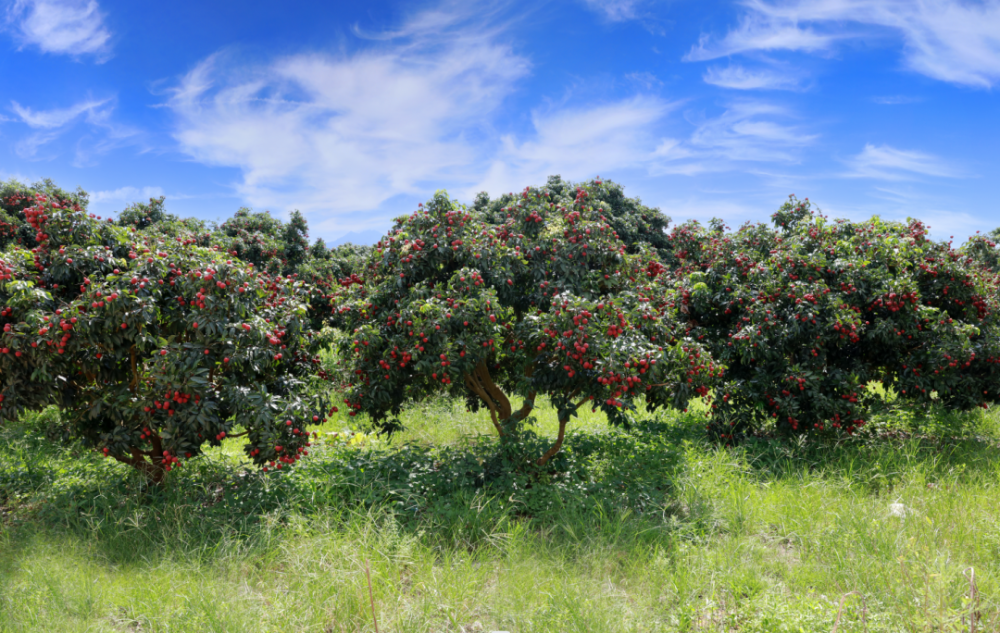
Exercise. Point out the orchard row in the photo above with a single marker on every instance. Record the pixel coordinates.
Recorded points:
(158, 337)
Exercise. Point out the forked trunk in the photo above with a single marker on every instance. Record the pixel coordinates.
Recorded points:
(153, 471)
(549, 454)
(153, 467)
(504, 419)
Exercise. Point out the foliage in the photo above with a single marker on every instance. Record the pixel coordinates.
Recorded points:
(806, 315)
(328, 271)
(142, 216)
(634, 223)
(153, 347)
(538, 297)
(16, 197)
(254, 238)
(282, 248)
(983, 249)
(295, 241)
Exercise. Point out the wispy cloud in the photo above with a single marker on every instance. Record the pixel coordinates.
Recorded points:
(737, 77)
(50, 125)
(125, 195)
(644, 79)
(888, 163)
(335, 135)
(580, 143)
(615, 10)
(639, 11)
(748, 131)
(896, 100)
(952, 41)
(761, 32)
(345, 133)
(633, 134)
(58, 117)
(67, 27)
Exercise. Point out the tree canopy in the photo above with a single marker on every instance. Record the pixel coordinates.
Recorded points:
(151, 346)
(537, 296)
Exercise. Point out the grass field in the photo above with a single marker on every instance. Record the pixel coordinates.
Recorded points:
(652, 529)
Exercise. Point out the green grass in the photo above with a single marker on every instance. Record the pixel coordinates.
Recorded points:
(645, 530)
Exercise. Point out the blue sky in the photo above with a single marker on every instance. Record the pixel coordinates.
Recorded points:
(353, 112)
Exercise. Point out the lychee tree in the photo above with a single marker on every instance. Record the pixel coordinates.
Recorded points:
(152, 347)
(327, 271)
(16, 197)
(637, 225)
(808, 313)
(535, 297)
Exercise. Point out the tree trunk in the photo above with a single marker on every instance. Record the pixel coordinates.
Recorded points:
(153, 471)
(549, 454)
(564, 416)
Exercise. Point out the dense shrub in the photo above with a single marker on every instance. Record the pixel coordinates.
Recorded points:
(539, 296)
(327, 271)
(635, 224)
(806, 314)
(16, 197)
(280, 248)
(255, 238)
(983, 250)
(152, 347)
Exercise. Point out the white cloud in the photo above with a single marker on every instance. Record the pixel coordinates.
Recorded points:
(888, 163)
(615, 10)
(70, 27)
(759, 32)
(52, 124)
(629, 135)
(337, 135)
(345, 133)
(949, 40)
(896, 99)
(739, 78)
(580, 143)
(58, 117)
(29, 146)
(750, 131)
(125, 195)
(645, 79)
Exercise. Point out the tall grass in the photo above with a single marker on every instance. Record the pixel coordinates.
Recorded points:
(651, 529)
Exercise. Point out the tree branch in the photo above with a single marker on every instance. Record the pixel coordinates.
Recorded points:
(473, 385)
(135, 373)
(157, 453)
(503, 404)
(563, 420)
(152, 471)
(529, 403)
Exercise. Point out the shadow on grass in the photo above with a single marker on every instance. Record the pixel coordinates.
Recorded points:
(934, 443)
(464, 495)
(615, 485)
